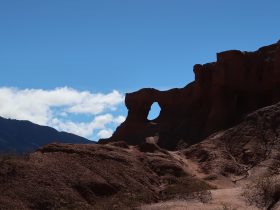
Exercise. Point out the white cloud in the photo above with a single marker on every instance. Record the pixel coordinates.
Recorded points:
(120, 119)
(105, 133)
(55, 107)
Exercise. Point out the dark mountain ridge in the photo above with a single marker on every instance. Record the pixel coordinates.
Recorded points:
(21, 136)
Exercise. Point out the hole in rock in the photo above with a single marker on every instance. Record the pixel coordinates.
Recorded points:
(154, 111)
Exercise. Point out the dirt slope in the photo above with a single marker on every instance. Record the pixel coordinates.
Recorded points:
(66, 176)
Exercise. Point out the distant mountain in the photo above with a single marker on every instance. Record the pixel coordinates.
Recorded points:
(20, 136)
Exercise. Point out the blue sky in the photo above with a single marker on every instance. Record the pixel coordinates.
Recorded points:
(101, 46)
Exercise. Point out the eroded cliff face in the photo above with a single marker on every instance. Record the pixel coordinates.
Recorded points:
(221, 95)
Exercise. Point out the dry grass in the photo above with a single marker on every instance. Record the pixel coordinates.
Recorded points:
(174, 204)
(187, 188)
(264, 193)
(9, 165)
(184, 205)
(227, 207)
(64, 176)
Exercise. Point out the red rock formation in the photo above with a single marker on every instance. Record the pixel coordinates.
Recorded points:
(221, 95)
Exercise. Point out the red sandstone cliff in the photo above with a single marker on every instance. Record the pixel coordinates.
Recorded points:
(221, 95)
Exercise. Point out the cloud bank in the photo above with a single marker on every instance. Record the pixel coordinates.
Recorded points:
(87, 114)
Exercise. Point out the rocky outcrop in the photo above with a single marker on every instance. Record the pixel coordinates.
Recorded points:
(221, 95)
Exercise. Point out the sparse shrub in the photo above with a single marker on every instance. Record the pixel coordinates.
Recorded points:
(203, 196)
(127, 202)
(227, 207)
(169, 179)
(8, 165)
(231, 169)
(187, 188)
(264, 193)
(211, 177)
(274, 168)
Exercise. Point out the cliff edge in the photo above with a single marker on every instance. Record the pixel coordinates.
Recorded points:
(223, 93)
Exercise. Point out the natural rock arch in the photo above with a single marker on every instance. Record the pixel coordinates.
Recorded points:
(154, 111)
(222, 93)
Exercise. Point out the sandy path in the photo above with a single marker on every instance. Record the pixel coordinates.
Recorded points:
(229, 199)
(226, 197)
